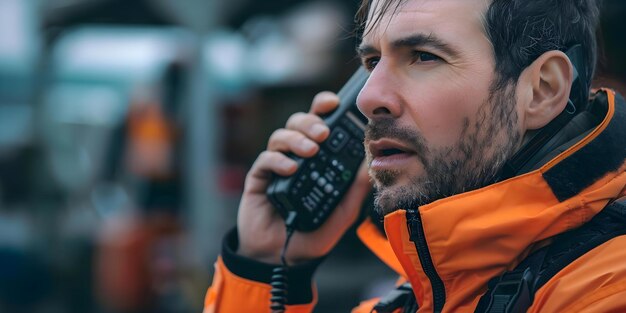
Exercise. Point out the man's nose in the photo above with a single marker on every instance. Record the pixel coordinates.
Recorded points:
(380, 95)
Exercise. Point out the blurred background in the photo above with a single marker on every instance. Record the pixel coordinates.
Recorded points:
(126, 130)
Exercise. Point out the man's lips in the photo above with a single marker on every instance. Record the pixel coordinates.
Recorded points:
(389, 154)
(385, 148)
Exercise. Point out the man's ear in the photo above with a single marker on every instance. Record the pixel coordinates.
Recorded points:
(547, 83)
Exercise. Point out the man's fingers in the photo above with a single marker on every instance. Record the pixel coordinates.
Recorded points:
(267, 163)
(310, 125)
(286, 140)
(324, 102)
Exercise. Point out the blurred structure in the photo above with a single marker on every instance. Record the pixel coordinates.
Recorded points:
(112, 118)
(612, 63)
(126, 131)
(25, 278)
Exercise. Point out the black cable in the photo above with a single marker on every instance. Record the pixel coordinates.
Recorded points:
(279, 273)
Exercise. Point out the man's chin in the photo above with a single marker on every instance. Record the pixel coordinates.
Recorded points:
(392, 190)
(384, 178)
(392, 198)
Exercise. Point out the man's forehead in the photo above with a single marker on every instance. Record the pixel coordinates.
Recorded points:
(479, 5)
(427, 16)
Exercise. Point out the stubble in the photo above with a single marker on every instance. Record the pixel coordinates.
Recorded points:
(473, 162)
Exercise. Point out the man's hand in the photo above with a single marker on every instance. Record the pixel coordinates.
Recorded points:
(261, 229)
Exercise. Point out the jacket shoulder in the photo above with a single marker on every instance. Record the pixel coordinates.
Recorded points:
(595, 282)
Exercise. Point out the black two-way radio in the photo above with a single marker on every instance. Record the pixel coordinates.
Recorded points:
(307, 198)
(321, 181)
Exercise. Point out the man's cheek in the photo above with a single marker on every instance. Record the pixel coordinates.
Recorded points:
(443, 120)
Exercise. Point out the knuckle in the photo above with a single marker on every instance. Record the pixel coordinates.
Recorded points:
(276, 135)
(284, 139)
(262, 156)
(296, 118)
(268, 156)
(268, 159)
(319, 120)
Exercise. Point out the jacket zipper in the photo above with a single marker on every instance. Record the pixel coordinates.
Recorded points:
(416, 234)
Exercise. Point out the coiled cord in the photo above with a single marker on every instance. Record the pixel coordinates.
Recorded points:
(279, 273)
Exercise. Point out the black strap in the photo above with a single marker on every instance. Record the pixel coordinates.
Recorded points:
(400, 298)
(514, 291)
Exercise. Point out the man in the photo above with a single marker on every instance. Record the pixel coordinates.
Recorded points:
(459, 92)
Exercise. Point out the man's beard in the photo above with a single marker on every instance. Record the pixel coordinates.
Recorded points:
(473, 162)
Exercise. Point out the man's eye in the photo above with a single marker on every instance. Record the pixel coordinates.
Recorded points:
(421, 56)
(370, 63)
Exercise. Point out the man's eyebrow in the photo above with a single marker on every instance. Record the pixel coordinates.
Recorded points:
(363, 50)
(416, 40)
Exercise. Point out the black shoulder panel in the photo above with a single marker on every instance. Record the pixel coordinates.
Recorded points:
(604, 154)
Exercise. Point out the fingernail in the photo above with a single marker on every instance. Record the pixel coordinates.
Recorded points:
(307, 145)
(288, 165)
(318, 129)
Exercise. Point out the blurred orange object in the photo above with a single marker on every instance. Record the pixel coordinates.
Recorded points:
(150, 142)
(129, 266)
(122, 275)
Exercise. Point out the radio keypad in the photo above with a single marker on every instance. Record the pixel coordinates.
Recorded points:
(325, 176)
(337, 139)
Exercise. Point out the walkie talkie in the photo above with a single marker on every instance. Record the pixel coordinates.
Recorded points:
(321, 181)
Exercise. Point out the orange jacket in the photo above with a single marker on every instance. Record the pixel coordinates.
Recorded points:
(475, 236)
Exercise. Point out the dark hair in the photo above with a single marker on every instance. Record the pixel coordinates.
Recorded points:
(522, 30)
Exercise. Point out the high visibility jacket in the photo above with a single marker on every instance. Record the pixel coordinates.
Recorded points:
(449, 249)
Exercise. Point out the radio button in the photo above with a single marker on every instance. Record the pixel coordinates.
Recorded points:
(329, 188)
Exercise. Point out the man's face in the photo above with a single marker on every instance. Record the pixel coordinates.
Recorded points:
(436, 128)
